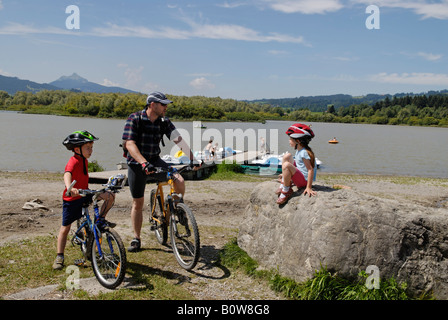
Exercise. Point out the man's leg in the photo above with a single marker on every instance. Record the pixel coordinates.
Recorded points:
(137, 216)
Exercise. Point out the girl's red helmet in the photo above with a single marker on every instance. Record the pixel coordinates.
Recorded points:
(298, 130)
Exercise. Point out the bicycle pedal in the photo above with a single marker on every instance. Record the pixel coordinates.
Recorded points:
(77, 241)
(79, 262)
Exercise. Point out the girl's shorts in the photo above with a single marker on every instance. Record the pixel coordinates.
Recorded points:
(298, 179)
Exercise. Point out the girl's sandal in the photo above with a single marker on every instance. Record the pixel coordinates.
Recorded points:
(288, 194)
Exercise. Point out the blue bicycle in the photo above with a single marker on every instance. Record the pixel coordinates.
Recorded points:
(99, 243)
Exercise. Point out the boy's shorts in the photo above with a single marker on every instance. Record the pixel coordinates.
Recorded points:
(137, 179)
(72, 210)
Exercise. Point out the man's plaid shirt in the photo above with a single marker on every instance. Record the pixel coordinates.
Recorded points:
(151, 134)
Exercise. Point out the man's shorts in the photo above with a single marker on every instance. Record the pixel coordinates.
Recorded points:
(72, 210)
(137, 178)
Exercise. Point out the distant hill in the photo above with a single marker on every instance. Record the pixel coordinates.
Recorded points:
(14, 84)
(73, 83)
(320, 103)
(79, 83)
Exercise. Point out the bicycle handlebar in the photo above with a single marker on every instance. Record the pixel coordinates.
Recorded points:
(111, 185)
(172, 169)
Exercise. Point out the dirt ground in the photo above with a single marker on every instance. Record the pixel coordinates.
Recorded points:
(214, 203)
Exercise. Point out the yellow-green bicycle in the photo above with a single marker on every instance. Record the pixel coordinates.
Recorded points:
(171, 210)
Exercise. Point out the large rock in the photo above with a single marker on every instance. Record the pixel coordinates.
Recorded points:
(346, 231)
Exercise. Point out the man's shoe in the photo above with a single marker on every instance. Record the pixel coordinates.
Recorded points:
(135, 245)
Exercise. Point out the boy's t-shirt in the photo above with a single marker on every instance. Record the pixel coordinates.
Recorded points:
(76, 168)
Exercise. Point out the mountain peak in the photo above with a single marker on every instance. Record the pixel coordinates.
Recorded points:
(76, 82)
(73, 77)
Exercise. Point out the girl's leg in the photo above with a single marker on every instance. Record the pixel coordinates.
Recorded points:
(288, 169)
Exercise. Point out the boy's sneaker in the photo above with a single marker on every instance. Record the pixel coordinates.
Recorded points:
(135, 245)
(58, 263)
(103, 224)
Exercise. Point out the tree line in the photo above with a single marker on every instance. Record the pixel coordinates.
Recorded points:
(425, 110)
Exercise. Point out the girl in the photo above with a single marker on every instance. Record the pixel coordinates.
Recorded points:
(301, 168)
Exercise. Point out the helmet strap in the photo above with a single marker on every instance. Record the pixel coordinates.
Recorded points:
(83, 159)
(297, 144)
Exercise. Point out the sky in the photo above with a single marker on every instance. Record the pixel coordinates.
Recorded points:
(239, 49)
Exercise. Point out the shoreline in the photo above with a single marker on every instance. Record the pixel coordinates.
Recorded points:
(319, 174)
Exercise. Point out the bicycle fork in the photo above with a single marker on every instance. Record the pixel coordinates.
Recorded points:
(175, 215)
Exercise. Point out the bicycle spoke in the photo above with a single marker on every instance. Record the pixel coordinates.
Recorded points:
(110, 267)
(185, 237)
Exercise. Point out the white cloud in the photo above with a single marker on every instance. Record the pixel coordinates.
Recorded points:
(228, 5)
(414, 78)
(305, 6)
(425, 8)
(202, 84)
(5, 73)
(109, 83)
(18, 29)
(430, 56)
(278, 52)
(204, 31)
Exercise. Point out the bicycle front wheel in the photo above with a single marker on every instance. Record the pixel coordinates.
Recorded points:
(157, 219)
(184, 236)
(109, 259)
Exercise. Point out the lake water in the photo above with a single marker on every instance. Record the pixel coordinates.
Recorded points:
(34, 142)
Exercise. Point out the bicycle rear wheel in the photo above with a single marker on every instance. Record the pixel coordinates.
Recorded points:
(109, 266)
(184, 236)
(160, 228)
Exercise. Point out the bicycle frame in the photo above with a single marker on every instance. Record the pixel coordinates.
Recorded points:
(91, 224)
(159, 193)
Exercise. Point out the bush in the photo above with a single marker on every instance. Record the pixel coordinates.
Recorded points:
(94, 166)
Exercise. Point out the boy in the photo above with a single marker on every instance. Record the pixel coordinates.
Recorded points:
(81, 143)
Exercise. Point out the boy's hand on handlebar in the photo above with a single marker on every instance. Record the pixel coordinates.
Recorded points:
(74, 192)
(147, 167)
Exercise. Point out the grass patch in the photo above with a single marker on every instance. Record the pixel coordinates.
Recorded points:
(28, 264)
(322, 286)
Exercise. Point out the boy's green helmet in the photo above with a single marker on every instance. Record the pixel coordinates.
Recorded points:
(78, 138)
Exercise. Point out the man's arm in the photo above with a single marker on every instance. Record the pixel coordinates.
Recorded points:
(133, 150)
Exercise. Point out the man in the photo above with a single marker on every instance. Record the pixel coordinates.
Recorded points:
(142, 135)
